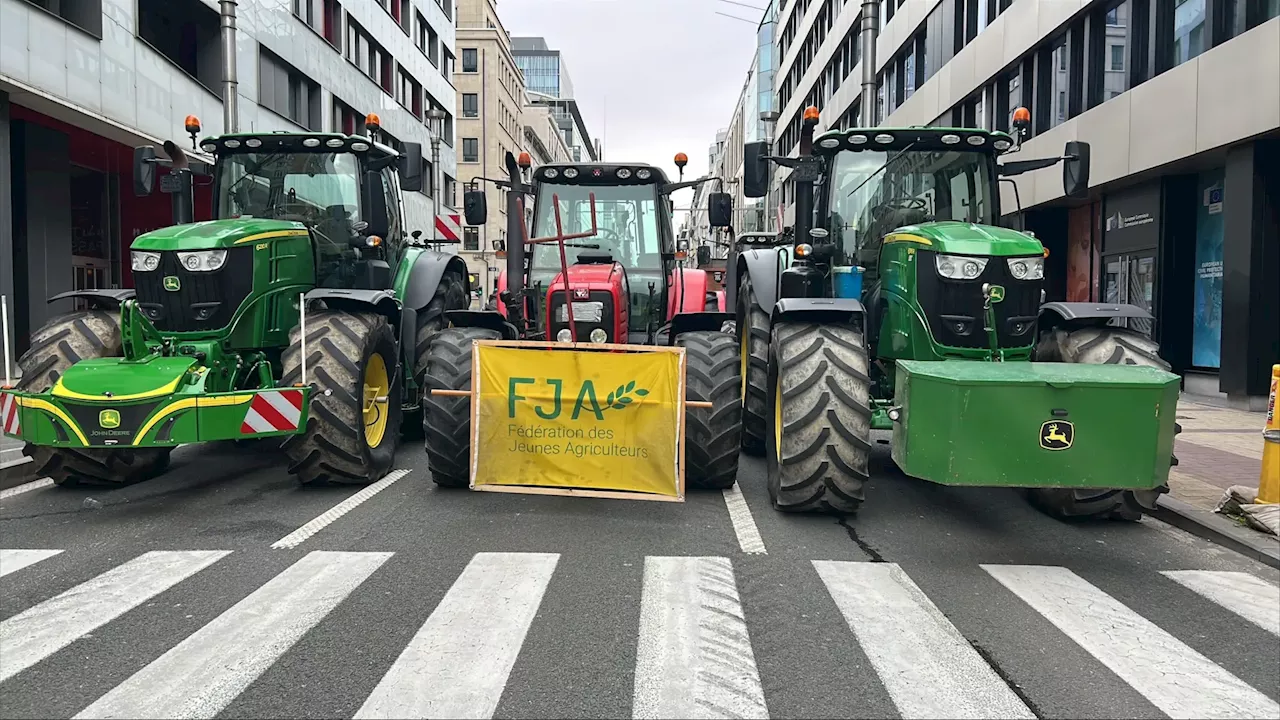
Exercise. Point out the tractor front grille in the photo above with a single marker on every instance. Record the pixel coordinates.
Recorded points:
(204, 301)
(584, 328)
(954, 307)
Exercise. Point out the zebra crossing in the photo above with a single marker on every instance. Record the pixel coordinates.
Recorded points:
(692, 655)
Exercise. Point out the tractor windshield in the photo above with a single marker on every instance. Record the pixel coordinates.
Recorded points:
(626, 220)
(870, 199)
(313, 188)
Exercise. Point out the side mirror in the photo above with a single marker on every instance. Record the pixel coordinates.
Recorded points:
(411, 167)
(144, 170)
(1075, 169)
(682, 246)
(755, 169)
(720, 209)
(704, 255)
(475, 206)
(376, 213)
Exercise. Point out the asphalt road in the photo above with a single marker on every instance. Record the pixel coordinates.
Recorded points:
(168, 599)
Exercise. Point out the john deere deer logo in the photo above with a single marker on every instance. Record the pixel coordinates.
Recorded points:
(109, 419)
(172, 283)
(1057, 435)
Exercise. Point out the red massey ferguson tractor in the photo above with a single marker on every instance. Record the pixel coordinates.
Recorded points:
(602, 267)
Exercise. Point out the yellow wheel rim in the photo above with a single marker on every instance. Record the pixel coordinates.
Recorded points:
(377, 386)
(777, 421)
(746, 347)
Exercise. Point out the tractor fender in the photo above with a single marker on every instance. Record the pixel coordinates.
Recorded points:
(104, 298)
(688, 292)
(425, 276)
(382, 302)
(763, 266)
(823, 310)
(695, 322)
(1081, 314)
(486, 319)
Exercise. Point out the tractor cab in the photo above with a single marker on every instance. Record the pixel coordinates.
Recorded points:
(623, 273)
(338, 195)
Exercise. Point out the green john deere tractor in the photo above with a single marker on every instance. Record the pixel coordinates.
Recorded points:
(210, 345)
(902, 306)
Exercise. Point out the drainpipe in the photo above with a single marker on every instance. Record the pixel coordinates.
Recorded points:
(230, 116)
(870, 28)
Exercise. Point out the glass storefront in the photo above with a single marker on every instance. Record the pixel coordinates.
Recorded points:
(1206, 342)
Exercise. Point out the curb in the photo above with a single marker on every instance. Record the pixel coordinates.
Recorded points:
(1218, 530)
(16, 472)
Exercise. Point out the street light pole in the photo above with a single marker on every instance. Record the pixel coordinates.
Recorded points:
(435, 118)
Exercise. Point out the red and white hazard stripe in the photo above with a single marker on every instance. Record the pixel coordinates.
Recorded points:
(274, 411)
(10, 420)
(449, 227)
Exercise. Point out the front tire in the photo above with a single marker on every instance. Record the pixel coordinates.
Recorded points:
(447, 420)
(753, 336)
(354, 421)
(819, 440)
(62, 342)
(450, 295)
(1104, 345)
(712, 436)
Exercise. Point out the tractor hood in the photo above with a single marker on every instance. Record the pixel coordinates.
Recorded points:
(214, 234)
(968, 239)
(92, 380)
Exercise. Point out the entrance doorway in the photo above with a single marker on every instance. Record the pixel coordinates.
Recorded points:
(1131, 278)
(92, 247)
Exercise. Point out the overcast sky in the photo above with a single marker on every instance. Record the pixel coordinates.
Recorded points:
(669, 71)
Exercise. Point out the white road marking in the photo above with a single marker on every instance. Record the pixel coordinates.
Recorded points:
(296, 538)
(12, 561)
(1243, 594)
(694, 657)
(26, 487)
(928, 668)
(457, 664)
(42, 630)
(1175, 678)
(202, 675)
(743, 524)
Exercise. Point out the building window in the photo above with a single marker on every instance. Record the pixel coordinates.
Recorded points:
(428, 42)
(333, 23)
(287, 92)
(1111, 54)
(185, 32)
(470, 60)
(470, 105)
(86, 14)
(345, 119)
(471, 239)
(304, 11)
(1054, 84)
(409, 93)
(1189, 28)
(450, 192)
(369, 56)
(470, 150)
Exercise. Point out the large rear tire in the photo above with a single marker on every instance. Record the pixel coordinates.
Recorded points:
(1096, 346)
(355, 415)
(819, 439)
(447, 420)
(62, 342)
(753, 335)
(712, 436)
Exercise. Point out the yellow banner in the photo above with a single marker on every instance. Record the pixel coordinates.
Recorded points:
(576, 419)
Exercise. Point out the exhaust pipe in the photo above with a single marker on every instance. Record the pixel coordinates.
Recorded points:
(230, 115)
(870, 29)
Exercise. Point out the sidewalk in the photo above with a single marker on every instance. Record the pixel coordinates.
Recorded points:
(1218, 448)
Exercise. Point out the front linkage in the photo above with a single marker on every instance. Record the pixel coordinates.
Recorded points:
(162, 393)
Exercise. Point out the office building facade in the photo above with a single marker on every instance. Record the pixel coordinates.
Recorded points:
(548, 83)
(83, 83)
(1180, 101)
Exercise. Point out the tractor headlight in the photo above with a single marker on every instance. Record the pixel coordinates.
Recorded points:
(960, 267)
(564, 335)
(1031, 268)
(599, 335)
(203, 260)
(144, 261)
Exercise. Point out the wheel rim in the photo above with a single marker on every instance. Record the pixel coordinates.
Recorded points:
(377, 386)
(777, 420)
